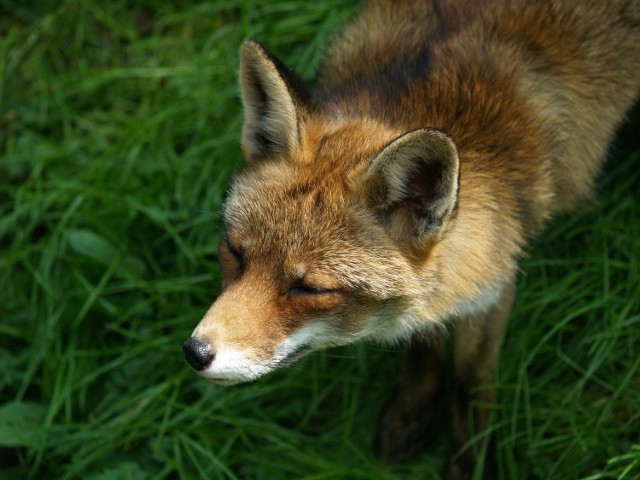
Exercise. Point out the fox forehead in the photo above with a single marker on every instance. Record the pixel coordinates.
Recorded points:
(270, 206)
(311, 192)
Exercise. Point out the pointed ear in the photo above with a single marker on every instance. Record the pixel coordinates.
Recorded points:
(412, 184)
(274, 100)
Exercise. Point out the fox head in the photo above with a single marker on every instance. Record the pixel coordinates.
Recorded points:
(334, 230)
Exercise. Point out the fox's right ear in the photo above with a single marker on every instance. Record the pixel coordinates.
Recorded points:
(274, 101)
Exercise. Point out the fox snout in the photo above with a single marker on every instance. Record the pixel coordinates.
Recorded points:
(228, 365)
(198, 355)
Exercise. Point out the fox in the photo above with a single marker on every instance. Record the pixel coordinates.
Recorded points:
(393, 199)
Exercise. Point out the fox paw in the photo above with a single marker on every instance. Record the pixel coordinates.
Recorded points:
(404, 432)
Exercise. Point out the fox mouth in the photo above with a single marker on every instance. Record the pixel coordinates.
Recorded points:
(294, 355)
(250, 373)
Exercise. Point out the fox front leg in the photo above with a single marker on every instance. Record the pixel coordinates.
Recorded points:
(477, 341)
(407, 422)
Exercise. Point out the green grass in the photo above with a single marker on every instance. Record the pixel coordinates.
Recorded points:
(119, 128)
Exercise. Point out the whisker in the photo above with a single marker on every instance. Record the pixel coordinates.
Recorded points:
(331, 355)
(382, 349)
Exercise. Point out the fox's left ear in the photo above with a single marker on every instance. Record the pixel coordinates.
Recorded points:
(274, 101)
(412, 184)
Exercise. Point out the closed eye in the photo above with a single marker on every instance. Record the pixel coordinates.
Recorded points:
(302, 289)
(231, 262)
(232, 250)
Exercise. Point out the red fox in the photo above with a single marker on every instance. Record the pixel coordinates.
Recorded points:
(396, 197)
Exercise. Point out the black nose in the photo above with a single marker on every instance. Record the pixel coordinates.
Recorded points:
(197, 354)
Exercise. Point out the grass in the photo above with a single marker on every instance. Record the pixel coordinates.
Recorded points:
(119, 128)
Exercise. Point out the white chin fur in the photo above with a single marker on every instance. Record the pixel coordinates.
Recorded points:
(231, 366)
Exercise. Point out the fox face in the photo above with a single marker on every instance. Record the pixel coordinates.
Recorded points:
(332, 231)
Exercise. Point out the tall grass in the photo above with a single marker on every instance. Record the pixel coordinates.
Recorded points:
(119, 128)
